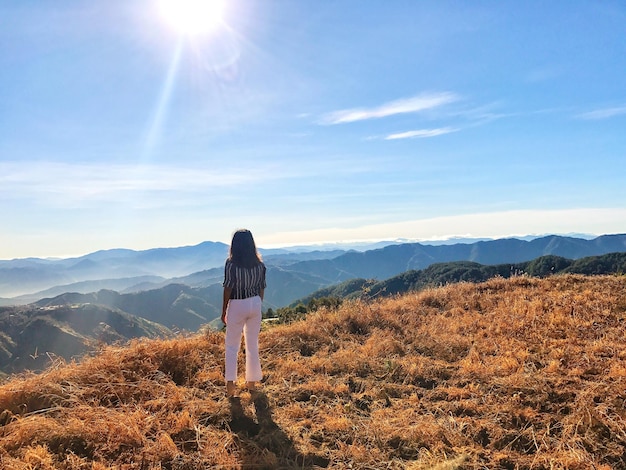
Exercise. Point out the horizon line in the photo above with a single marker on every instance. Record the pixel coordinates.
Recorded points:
(327, 243)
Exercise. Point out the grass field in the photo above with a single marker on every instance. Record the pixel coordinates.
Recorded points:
(509, 374)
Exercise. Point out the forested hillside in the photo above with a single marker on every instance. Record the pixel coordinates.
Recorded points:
(444, 273)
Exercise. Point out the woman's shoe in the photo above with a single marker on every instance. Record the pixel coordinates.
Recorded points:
(231, 389)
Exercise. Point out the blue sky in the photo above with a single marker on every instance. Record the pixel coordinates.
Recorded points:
(309, 121)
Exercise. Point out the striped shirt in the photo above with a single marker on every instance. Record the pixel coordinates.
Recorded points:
(245, 282)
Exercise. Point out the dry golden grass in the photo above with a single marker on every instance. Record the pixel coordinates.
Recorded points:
(508, 374)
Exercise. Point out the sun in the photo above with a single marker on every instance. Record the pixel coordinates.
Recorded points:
(192, 16)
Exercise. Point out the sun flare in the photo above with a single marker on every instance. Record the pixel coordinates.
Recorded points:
(192, 16)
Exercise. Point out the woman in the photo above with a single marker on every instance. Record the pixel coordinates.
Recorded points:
(244, 286)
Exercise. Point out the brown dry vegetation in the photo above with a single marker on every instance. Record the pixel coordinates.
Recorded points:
(520, 373)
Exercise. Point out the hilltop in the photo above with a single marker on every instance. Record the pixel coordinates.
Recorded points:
(513, 373)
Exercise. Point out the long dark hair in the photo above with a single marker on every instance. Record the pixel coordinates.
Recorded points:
(243, 250)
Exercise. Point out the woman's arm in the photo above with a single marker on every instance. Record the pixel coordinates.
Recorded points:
(227, 292)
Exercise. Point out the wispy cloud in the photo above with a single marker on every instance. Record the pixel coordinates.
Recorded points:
(421, 133)
(604, 113)
(61, 184)
(413, 104)
(476, 225)
(76, 184)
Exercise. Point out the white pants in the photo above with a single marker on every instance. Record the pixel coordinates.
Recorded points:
(243, 316)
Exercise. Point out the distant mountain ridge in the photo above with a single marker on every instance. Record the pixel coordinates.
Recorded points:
(201, 265)
(25, 276)
(123, 269)
(395, 259)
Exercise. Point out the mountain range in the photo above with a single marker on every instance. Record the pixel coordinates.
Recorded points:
(291, 275)
(125, 270)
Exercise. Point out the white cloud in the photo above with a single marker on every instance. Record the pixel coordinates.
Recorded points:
(70, 185)
(605, 113)
(413, 104)
(421, 133)
(480, 225)
(62, 183)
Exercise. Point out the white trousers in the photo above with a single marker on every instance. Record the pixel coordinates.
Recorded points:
(243, 316)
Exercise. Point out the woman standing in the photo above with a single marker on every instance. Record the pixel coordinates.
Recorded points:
(244, 286)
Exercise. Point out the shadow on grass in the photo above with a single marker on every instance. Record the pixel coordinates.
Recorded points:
(263, 435)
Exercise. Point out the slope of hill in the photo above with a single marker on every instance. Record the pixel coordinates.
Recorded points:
(31, 337)
(175, 306)
(132, 284)
(511, 374)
